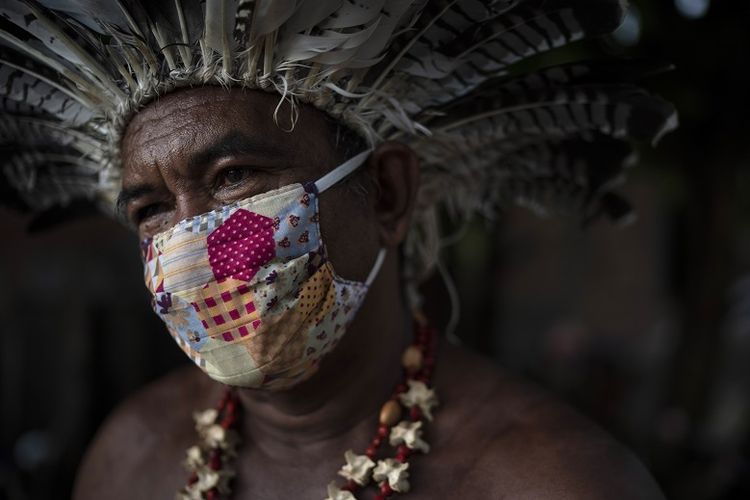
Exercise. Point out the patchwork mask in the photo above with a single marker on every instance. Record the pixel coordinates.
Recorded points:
(247, 290)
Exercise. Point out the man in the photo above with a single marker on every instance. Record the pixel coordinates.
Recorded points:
(493, 437)
(215, 180)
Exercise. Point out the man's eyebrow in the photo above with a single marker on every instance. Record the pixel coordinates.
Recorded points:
(235, 143)
(129, 194)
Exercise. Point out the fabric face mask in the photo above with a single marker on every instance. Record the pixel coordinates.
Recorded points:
(247, 290)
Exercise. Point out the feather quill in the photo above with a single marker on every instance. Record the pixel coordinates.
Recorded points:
(220, 17)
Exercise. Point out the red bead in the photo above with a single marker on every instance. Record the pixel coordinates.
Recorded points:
(350, 486)
(415, 413)
(193, 478)
(383, 431)
(223, 400)
(385, 489)
(376, 441)
(228, 419)
(212, 495)
(214, 460)
(379, 497)
(371, 451)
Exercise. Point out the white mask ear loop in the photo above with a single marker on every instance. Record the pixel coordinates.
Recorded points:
(341, 171)
(336, 175)
(376, 267)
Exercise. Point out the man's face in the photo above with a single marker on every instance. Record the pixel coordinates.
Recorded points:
(195, 150)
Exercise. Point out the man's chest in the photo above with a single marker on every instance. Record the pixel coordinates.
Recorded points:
(429, 477)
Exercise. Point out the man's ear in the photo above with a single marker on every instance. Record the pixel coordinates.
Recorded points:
(395, 169)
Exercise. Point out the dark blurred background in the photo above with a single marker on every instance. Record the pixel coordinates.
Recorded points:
(646, 328)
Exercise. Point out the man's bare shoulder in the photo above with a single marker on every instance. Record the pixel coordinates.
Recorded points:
(137, 447)
(493, 437)
(509, 439)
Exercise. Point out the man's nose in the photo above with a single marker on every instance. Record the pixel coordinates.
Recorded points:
(191, 204)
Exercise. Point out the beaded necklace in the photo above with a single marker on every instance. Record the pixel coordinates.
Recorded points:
(400, 423)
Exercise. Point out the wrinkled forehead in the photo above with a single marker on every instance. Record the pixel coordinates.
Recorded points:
(185, 122)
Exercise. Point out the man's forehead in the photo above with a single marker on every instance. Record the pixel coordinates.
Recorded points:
(187, 121)
(208, 107)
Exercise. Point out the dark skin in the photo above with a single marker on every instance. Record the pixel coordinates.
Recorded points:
(493, 437)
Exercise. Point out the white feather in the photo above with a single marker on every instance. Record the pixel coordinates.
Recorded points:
(220, 16)
(354, 13)
(270, 15)
(309, 14)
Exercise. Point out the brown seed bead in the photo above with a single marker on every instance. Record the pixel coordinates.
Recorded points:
(412, 358)
(390, 413)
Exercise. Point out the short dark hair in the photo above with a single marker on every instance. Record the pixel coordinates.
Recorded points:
(347, 143)
(344, 140)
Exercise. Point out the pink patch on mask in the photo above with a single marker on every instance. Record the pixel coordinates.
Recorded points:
(241, 245)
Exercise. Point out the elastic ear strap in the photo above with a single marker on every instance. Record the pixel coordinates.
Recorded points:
(376, 267)
(341, 171)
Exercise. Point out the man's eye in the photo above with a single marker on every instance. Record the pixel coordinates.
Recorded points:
(232, 176)
(148, 211)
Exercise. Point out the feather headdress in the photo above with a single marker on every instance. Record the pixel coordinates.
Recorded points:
(440, 75)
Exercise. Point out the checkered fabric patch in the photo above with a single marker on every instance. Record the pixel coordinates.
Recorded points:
(227, 310)
(209, 221)
(191, 353)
